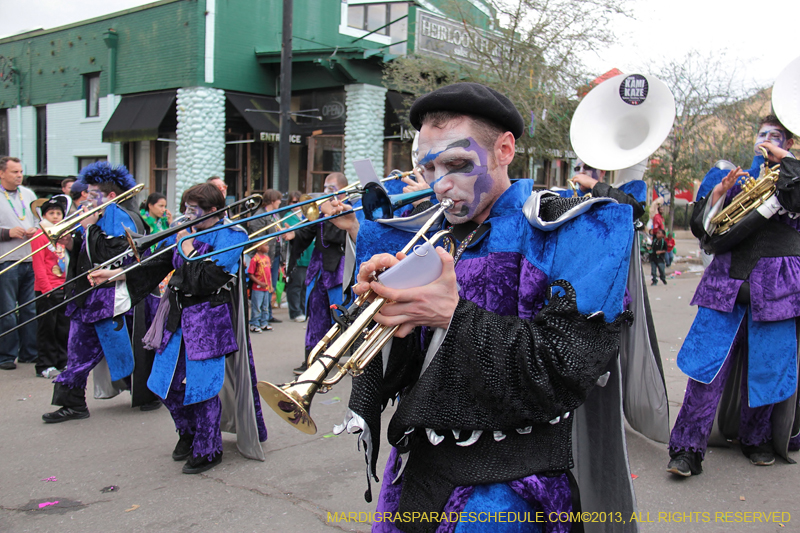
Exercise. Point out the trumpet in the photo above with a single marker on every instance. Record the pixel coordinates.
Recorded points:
(292, 401)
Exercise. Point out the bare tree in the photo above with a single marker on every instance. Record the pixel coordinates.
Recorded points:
(716, 117)
(532, 56)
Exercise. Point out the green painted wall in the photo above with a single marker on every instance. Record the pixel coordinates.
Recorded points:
(158, 48)
(244, 26)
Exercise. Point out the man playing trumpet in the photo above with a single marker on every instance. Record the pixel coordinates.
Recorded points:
(489, 365)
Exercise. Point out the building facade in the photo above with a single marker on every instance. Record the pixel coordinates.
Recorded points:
(181, 90)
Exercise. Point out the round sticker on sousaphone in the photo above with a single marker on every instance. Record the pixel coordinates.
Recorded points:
(633, 89)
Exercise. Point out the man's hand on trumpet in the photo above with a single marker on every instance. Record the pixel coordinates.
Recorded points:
(430, 305)
(349, 222)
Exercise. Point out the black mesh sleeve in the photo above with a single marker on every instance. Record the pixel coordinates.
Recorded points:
(200, 278)
(604, 190)
(101, 247)
(501, 373)
(143, 277)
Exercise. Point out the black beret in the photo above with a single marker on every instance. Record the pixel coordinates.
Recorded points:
(56, 202)
(470, 99)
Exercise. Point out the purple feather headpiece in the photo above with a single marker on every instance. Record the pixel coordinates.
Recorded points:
(103, 172)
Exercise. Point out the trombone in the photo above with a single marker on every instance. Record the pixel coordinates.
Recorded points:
(138, 244)
(375, 203)
(68, 225)
(292, 401)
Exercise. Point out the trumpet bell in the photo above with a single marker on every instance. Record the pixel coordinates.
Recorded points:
(289, 404)
(622, 121)
(786, 96)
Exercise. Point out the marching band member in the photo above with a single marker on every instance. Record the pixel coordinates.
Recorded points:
(102, 323)
(201, 332)
(488, 363)
(747, 311)
(325, 270)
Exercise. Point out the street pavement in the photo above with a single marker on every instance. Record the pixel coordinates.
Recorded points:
(306, 477)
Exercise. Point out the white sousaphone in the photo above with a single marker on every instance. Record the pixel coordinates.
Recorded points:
(621, 122)
(786, 96)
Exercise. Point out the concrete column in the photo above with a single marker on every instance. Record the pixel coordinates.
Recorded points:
(363, 131)
(200, 136)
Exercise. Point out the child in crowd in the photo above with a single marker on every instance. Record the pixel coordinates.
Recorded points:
(658, 251)
(50, 272)
(670, 240)
(261, 292)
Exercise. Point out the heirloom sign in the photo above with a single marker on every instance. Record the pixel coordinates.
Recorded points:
(448, 40)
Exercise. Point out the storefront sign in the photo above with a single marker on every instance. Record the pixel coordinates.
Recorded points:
(276, 137)
(449, 40)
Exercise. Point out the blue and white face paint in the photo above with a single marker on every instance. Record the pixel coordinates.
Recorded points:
(458, 168)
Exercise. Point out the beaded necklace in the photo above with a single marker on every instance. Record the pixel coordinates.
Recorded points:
(12, 203)
(467, 240)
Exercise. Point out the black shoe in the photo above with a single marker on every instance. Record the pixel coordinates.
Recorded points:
(195, 465)
(685, 464)
(8, 365)
(761, 455)
(665, 281)
(654, 284)
(762, 458)
(150, 406)
(65, 413)
(275, 320)
(183, 450)
(300, 369)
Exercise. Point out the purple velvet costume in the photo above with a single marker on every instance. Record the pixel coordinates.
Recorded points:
(320, 285)
(85, 346)
(506, 274)
(774, 297)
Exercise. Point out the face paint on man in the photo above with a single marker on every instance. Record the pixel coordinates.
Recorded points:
(193, 212)
(770, 133)
(459, 171)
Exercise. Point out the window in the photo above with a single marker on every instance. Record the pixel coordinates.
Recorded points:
(163, 166)
(41, 140)
(3, 132)
(369, 17)
(88, 160)
(325, 155)
(92, 90)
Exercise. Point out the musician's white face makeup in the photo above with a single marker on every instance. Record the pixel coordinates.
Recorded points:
(458, 168)
(770, 133)
(193, 211)
(96, 196)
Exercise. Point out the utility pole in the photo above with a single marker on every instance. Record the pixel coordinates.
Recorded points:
(286, 97)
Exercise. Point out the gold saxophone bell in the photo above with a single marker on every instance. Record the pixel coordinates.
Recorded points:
(754, 193)
(292, 401)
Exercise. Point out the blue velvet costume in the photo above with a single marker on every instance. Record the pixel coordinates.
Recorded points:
(503, 278)
(97, 328)
(204, 343)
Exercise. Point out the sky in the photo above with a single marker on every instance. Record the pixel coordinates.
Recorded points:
(756, 38)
